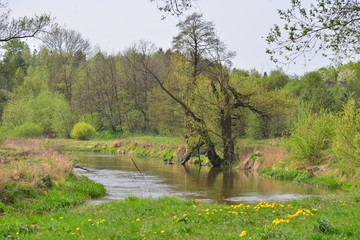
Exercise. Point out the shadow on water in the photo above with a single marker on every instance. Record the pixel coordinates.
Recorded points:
(121, 179)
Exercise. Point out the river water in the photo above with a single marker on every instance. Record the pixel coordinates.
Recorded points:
(145, 177)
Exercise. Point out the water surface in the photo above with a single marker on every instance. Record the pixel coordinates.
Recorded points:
(156, 179)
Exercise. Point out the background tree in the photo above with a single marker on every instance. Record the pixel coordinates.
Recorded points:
(63, 40)
(104, 89)
(327, 27)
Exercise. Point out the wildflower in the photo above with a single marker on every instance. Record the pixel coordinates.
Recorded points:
(60, 217)
(162, 231)
(78, 229)
(72, 233)
(194, 206)
(277, 221)
(174, 217)
(52, 219)
(89, 220)
(185, 215)
(243, 234)
(207, 210)
(17, 233)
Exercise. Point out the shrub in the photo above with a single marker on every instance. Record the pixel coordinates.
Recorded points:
(82, 131)
(346, 143)
(48, 110)
(310, 135)
(28, 130)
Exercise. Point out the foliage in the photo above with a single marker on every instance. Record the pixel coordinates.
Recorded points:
(48, 110)
(82, 131)
(326, 26)
(310, 135)
(346, 143)
(135, 120)
(28, 130)
(254, 126)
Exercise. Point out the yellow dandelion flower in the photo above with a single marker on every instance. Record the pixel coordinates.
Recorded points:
(199, 214)
(72, 233)
(207, 209)
(60, 217)
(52, 219)
(78, 229)
(138, 219)
(162, 231)
(243, 234)
(89, 220)
(185, 215)
(194, 206)
(17, 233)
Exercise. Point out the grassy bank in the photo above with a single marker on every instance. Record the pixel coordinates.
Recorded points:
(169, 148)
(40, 180)
(170, 218)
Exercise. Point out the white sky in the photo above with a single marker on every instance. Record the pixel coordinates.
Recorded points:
(115, 25)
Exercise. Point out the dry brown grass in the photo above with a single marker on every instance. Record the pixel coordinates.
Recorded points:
(32, 163)
(257, 159)
(272, 155)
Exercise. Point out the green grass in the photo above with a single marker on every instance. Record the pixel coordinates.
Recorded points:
(75, 190)
(304, 177)
(171, 218)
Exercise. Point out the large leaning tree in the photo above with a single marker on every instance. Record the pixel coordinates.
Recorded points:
(197, 78)
(329, 27)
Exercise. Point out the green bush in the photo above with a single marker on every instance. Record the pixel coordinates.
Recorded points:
(82, 131)
(48, 110)
(310, 135)
(346, 143)
(28, 130)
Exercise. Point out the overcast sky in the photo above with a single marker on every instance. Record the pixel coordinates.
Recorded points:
(115, 25)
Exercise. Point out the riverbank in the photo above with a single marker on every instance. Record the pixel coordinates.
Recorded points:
(35, 179)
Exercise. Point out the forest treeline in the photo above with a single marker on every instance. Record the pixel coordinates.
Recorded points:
(190, 90)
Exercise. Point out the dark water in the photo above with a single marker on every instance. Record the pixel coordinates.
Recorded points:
(121, 179)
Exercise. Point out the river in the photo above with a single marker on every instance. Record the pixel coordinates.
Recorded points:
(145, 177)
